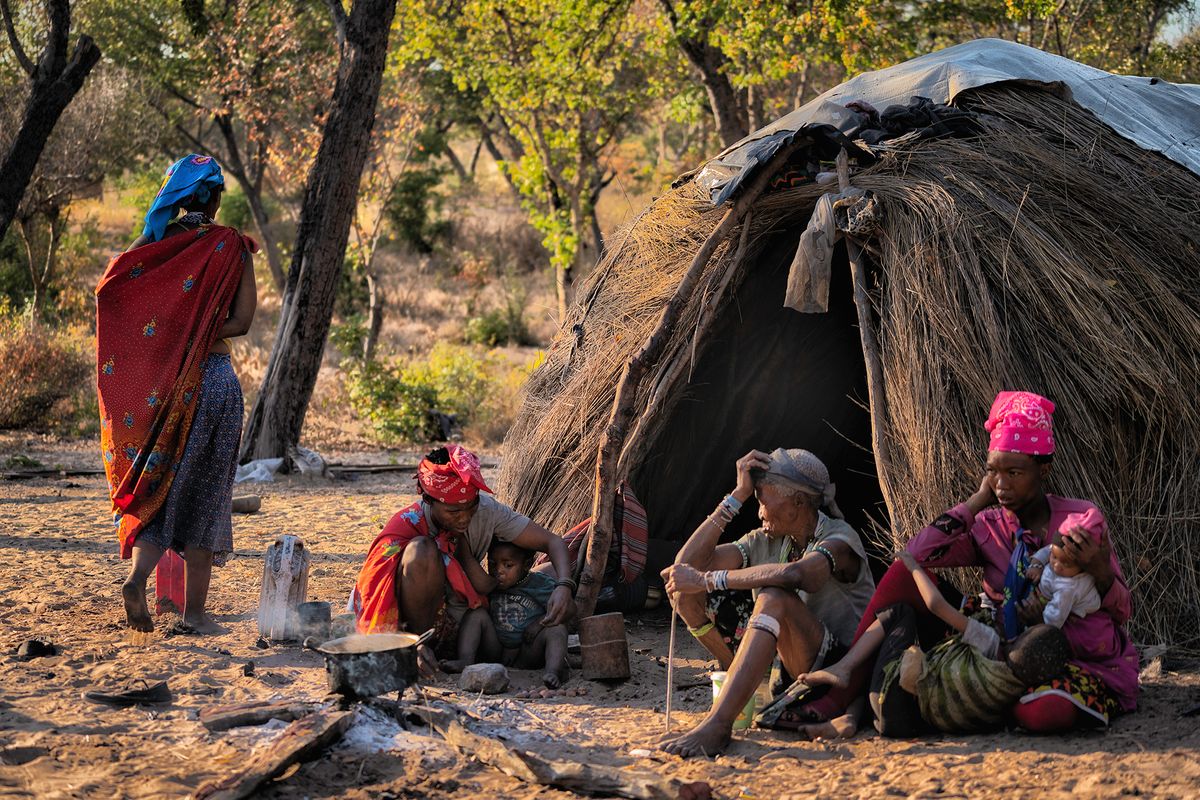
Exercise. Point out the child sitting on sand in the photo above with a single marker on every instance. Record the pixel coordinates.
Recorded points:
(510, 630)
(966, 683)
(1062, 582)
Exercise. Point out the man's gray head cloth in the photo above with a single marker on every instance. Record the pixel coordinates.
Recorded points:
(801, 470)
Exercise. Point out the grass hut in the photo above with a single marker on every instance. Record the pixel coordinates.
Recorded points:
(1040, 231)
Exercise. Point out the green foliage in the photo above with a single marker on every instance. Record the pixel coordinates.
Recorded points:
(503, 325)
(348, 335)
(352, 293)
(564, 81)
(21, 461)
(15, 284)
(235, 207)
(479, 388)
(70, 299)
(414, 209)
(397, 411)
(39, 368)
(458, 376)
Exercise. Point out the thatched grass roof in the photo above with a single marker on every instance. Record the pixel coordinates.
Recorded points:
(1048, 254)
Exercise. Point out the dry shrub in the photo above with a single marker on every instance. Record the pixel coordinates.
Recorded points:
(41, 369)
(1048, 254)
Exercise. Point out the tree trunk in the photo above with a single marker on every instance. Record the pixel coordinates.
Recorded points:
(259, 211)
(41, 267)
(560, 289)
(252, 188)
(375, 305)
(54, 83)
(330, 198)
(710, 62)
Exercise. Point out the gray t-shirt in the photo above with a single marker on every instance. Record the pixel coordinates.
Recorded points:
(492, 519)
(838, 605)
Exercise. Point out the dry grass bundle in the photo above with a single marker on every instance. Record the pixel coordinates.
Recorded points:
(1049, 254)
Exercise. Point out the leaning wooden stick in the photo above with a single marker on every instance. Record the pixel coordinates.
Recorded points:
(605, 481)
(671, 668)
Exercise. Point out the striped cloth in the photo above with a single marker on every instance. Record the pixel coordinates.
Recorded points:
(627, 551)
(960, 690)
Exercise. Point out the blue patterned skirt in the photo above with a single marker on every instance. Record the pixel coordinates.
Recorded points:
(198, 510)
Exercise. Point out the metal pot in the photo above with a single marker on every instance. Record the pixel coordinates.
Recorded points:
(366, 665)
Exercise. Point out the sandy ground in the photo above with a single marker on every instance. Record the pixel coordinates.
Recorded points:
(59, 579)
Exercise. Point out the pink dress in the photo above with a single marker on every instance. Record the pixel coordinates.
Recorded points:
(1099, 641)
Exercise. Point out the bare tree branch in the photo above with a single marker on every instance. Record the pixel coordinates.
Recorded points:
(11, 29)
(338, 12)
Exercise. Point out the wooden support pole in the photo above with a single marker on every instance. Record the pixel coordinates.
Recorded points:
(876, 397)
(607, 455)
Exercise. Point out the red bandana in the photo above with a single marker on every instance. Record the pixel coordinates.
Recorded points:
(456, 482)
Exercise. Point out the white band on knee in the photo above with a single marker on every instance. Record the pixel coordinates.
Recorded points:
(764, 622)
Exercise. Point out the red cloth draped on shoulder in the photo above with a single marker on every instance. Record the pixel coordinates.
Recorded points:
(374, 600)
(158, 310)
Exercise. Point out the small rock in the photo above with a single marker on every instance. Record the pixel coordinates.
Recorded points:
(486, 678)
(262, 643)
(35, 648)
(248, 669)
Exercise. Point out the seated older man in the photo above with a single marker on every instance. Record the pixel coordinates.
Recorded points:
(807, 570)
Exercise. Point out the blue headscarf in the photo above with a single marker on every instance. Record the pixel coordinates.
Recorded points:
(191, 176)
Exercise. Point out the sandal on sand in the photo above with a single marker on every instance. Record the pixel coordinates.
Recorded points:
(788, 710)
(133, 693)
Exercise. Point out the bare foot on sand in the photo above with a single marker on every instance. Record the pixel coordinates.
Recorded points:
(201, 625)
(554, 678)
(834, 675)
(136, 612)
(842, 727)
(707, 739)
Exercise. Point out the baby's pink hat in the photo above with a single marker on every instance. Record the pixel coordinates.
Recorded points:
(1091, 521)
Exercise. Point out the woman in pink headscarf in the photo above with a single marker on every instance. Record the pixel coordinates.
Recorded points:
(1008, 519)
(423, 570)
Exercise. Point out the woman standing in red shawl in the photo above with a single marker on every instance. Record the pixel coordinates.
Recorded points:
(423, 570)
(170, 403)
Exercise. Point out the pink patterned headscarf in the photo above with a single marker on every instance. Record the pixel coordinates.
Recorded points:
(1091, 521)
(456, 482)
(1021, 422)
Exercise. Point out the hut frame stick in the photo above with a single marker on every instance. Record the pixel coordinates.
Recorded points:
(876, 400)
(600, 533)
(671, 667)
(687, 357)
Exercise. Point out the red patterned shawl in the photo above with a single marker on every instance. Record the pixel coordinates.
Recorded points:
(374, 600)
(158, 310)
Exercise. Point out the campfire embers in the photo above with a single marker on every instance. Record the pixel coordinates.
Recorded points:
(316, 727)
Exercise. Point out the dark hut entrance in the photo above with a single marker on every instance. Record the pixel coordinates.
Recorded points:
(768, 377)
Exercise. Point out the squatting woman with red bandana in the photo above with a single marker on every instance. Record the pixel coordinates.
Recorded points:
(424, 569)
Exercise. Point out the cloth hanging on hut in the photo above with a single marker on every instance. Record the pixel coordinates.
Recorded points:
(852, 211)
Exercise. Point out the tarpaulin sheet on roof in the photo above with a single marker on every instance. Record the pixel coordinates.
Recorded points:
(1157, 115)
